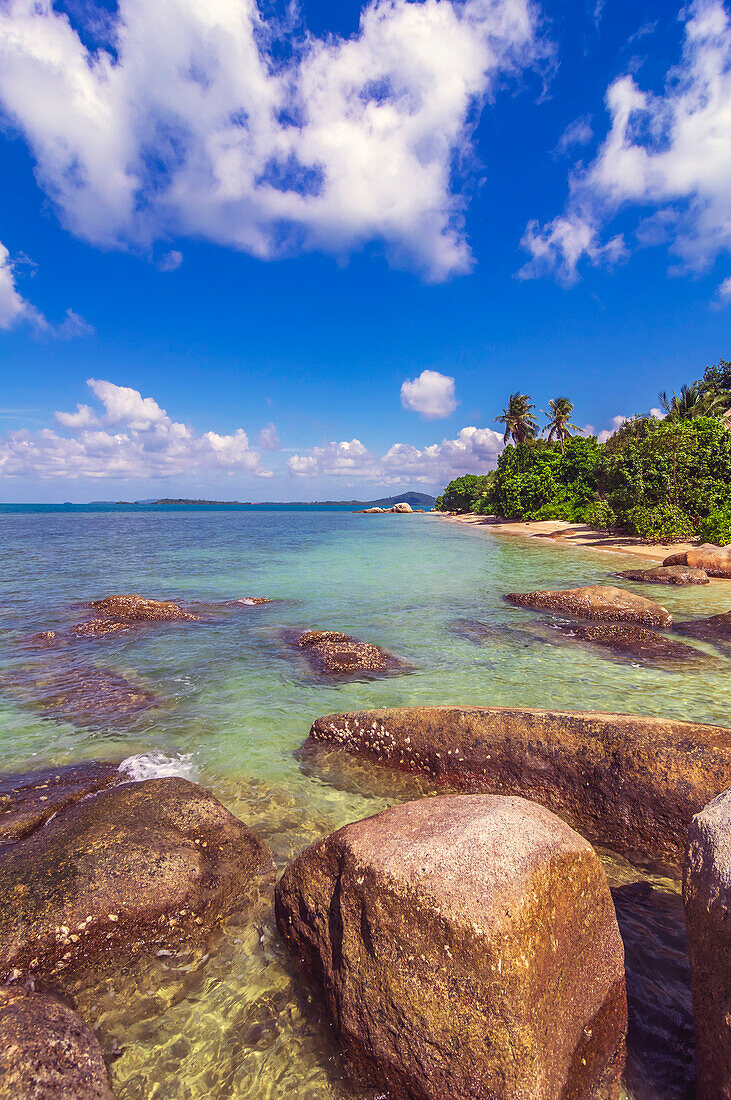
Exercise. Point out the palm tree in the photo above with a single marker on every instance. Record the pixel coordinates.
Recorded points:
(691, 403)
(520, 423)
(559, 426)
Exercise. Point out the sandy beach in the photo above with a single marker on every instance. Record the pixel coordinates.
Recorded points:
(572, 534)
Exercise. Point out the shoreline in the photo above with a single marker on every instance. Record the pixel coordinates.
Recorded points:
(581, 535)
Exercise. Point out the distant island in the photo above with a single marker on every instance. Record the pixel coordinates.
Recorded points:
(416, 500)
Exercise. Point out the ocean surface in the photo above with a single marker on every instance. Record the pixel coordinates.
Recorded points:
(228, 703)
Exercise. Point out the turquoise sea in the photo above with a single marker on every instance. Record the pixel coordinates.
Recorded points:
(233, 704)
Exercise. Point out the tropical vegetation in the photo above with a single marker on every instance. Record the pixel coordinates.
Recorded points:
(659, 478)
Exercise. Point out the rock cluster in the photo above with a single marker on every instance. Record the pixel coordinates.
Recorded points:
(707, 897)
(666, 574)
(446, 933)
(630, 782)
(401, 508)
(596, 602)
(714, 560)
(334, 653)
(47, 1052)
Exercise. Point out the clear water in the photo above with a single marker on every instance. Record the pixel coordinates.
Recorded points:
(235, 705)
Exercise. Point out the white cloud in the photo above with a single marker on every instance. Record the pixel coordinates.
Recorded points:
(474, 450)
(171, 261)
(145, 444)
(669, 153)
(191, 124)
(13, 307)
(617, 422)
(431, 394)
(724, 291)
(578, 132)
(268, 438)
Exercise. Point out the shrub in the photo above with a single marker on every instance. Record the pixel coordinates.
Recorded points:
(663, 522)
(600, 515)
(464, 493)
(717, 527)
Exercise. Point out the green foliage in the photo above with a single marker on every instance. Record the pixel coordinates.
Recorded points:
(600, 515)
(535, 481)
(659, 524)
(465, 494)
(716, 527)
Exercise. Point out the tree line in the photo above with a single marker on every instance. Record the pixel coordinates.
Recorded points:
(667, 478)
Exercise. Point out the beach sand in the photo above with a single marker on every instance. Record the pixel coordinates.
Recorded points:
(572, 534)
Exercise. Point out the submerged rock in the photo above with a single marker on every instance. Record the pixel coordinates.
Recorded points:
(484, 634)
(707, 897)
(27, 801)
(434, 925)
(86, 695)
(714, 560)
(666, 574)
(47, 1052)
(632, 783)
(140, 609)
(138, 864)
(98, 628)
(634, 642)
(596, 601)
(330, 651)
(716, 629)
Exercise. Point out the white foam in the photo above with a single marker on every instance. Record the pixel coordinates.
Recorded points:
(159, 765)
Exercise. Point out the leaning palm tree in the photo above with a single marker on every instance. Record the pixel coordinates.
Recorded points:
(690, 403)
(559, 426)
(520, 423)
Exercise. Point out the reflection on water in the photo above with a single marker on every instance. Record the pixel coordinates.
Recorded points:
(235, 1021)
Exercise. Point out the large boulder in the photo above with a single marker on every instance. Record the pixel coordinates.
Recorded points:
(632, 783)
(596, 601)
(137, 864)
(47, 1052)
(714, 560)
(334, 653)
(27, 801)
(401, 507)
(467, 947)
(707, 897)
(666, 574)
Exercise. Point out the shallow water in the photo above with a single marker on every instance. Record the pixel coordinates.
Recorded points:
(233, 703)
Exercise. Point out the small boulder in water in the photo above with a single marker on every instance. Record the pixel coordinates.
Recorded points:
(707, 897)
(634, 642)
(714, 560)
(666, 574)
(596, 601)
(333, 652)
(715, 628)
(467, 947)
(140, 609)
(47, 1052)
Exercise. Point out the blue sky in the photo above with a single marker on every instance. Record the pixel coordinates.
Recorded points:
(271, 221)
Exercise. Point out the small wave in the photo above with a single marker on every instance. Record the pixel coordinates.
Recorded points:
(158, 765)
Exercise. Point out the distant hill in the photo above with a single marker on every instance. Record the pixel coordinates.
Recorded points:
(416, 500)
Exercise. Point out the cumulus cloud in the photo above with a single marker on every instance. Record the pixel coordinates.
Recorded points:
(130, 436)
(431, 394)
(189, 119)
(474, 450)
(616, 422)
(669, 153)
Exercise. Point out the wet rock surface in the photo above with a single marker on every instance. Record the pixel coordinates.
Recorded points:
(633, 642)
(84, 694)
(707, 897)
(430, 928)
(666, 574)
(596, 602)
(27, 801)
(714, 560)
(715, 629)
(137, 609)
(632, 783)
(332, 653)
(47, 1052)
(138, 864)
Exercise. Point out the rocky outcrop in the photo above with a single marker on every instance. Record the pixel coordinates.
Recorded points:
(446, 933)
(47, 1052)
(138, 864)
(714, 560)
(632, 783)
(402, 507)
(707, 897)
(136, 609)
(597, 601)
(666, 574)
(635, 643)
(27, 801)
(337, 654)
(715, 628)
